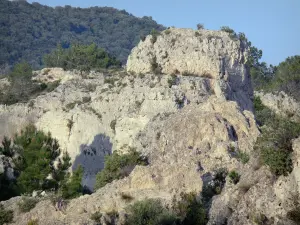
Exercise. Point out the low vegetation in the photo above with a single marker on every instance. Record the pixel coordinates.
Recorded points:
(172, 80)
(34, 153)
(275, 142)
(80, 57)
(118, 166)
(186, 211)
(26, 204)
(234, 177)
(6, 216)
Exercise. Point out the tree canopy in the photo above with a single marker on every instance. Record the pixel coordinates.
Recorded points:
(28, 31)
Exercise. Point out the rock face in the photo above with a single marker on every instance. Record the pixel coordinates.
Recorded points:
(188, 126)
(204, 53)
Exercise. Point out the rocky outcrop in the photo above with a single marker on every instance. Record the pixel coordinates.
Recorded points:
(203, 53)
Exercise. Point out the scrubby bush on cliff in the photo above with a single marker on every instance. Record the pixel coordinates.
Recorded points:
(149, 212)
(26, 204)
(118, 166)
(34, 161)
(275, 142)
(80, 57)
(6, 216)
(189, 210)
(71, 187)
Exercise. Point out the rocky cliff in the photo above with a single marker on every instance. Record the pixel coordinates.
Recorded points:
(189, 125)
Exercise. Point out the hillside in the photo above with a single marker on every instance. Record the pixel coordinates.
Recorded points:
(177, 138)
(28, 31)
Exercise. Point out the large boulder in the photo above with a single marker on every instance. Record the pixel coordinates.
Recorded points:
(213, 54)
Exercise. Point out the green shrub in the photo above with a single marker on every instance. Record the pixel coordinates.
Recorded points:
(33, 222)
(189, 210)
(6, 148)
(168, 31)
(113, 124)
(21, 70)
(71, 187)
(243, 157)
(149, 212)
(172, 80)
(215, 186)
(80, 57)
(118, 166)
(37, 153)
(126, 197)
(200, 26)
(6, 216)
(234, 177)
(96, 217)
(26, 204)
(275, 142)
(154, 34)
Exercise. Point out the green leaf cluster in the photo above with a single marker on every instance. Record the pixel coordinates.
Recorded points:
(118, 166)
(29, 31)
(80, 57)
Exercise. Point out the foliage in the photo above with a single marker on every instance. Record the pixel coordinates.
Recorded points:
(285, 77)
(113, 124)
(28, 31)
(172, 80)
(71, 187)
(243, 157)
(149, 212)
(96, 217)
(215, 186)
(21, 87)
(118, 166)
(154, 33)
(275, 142)
(38, 151)
(234, 177)
(26, 204)
(23, 70)
(189, 210)
(6, 216)
(6, 148)
(33, 222)
(80, 57)
(200, 26)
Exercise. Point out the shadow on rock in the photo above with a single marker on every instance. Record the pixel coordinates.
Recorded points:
(91, 157)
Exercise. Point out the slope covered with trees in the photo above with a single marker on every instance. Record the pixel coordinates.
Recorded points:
(29, 31)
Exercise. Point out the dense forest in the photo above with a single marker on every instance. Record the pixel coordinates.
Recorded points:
(29, 31)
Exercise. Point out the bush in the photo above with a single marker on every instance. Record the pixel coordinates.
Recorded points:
(149, 212)
(6, 216)
(154, 34)
(234, 177)
(6, 148)
(80, 57)
(172, 80)
(243, 157)
(26, 204)
(33, 222)
(294, 215)
(275, 142)
(71, 187)
(215, 186)
(96, 217)
(113, 124)
(118, 166)
(200, 26)
(189, 210)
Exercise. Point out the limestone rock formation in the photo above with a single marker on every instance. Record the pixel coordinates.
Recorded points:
(204, 53)
(188, 125)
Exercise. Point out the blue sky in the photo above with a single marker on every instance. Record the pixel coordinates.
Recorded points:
(271, 25)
